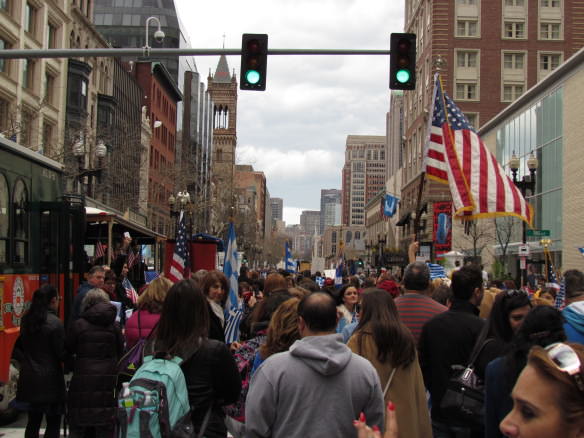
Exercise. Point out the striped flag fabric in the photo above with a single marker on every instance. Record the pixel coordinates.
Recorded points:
(99, 250)
(456, 155)
(560, 301)
(179, 258)
(339, 273)
(233, 306)
(436, 271)
(130, 291)
(131, 258)
(290, 266)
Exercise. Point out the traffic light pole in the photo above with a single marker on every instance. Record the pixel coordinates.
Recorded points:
(148, 51)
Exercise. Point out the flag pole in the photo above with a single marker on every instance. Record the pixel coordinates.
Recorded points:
(418, 205)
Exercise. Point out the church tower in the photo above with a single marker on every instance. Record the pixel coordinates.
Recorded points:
(222, 87)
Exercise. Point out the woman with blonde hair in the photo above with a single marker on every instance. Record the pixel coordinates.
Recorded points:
(150, 303)
(548, 398)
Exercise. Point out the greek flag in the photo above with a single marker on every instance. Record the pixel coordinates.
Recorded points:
(436, 271)
(339, 274)
(390, 207)
(581, 249)
(233, 305)
(290, 265)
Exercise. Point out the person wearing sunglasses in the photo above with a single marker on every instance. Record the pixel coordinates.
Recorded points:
(548, 398)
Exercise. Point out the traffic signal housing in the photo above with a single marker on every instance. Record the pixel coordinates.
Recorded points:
(402, 65)
(254, 60)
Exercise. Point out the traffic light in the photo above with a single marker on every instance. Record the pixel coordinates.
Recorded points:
(402, 65)
(254, 59)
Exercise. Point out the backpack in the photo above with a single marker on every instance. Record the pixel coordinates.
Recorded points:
(134, 357)
(155, 403)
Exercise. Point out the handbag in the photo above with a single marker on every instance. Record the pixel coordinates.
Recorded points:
(465, 395)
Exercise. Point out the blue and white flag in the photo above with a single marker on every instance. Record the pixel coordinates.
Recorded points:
(390, 207)
(560, 301)
(339, 274)
(581, 249)
(150, 276)
(233, 305)
(436, 271)
(290, 266)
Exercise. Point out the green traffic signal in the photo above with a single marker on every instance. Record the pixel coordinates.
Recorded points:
(252, 77)
(403, 76)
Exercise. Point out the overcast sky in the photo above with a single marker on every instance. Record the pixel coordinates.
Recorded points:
(295, 131)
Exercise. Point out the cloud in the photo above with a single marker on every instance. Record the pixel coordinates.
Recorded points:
(296, 130)
(291, 215)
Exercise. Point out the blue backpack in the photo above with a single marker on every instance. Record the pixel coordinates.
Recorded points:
(155, 403)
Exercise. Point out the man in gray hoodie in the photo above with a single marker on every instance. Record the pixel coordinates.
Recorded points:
(318, 387)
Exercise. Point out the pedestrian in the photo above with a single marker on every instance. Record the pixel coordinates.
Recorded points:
(211, 375)
(113, 287)
(95, 342)
(448, 339)
(146, 317)
(574, 311)
(318, 386)
(387, 343)
(507, 314)
(347, 301)
(415, 306)
(215, 288)
(95, 279)
(542, 326)
(548, 398)
(40, 349)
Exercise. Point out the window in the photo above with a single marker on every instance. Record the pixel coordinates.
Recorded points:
(29, 18)
(48, 137)
(473, 119)
(4, 220)
(49, 88)
(28, 74)
(514, 2)
(4, 114)
(466, 59)
(466, 28)
(512, 92)
(550, 3)
(5, 5)
(513, 60)
(334, 237)
(20, 220)
(514, 29)
(549, 31)
(4, 45)
(549, 62)
(25, 131)
(466, 91)
(466, 2)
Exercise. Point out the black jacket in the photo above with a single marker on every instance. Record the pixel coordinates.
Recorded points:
(216, 330)
(447, 339)
(97, 343)
(41, 363)
(212, 379)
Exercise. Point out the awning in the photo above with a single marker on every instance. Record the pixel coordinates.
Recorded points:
(403, 220)
(97, 220)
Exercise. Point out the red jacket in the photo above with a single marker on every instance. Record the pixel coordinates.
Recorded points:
(147, 322)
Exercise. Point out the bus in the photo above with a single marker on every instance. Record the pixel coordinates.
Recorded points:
(42, 232)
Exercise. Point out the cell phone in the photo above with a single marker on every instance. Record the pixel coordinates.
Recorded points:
(127, 235)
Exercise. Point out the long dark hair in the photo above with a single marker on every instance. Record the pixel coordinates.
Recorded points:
(184, 320)
(379, 316)
(498, 325)
(36, 315)
(543, 325)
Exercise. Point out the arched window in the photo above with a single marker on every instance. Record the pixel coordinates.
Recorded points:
(4, 220)
(21, 221)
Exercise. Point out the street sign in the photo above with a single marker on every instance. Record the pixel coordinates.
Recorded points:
(523, 250)
(538, 233)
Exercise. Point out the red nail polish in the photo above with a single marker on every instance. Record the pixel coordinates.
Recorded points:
(375, 428)
(391, 406)
(355, 422)
(362, 417)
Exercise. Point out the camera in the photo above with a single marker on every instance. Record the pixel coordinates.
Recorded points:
(159, 36)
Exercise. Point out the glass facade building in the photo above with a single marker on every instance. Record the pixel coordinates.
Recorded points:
(539, 129)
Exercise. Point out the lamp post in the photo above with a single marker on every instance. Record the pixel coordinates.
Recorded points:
(381, 240)
(158, 35)
(526, 183)
(182, 202)
(79, 152)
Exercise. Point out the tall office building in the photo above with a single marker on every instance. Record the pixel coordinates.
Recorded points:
(310, 222)
(277, 206)
(330, 208)
(363, 175)
(488, 53)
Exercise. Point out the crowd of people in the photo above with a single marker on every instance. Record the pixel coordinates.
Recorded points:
(371, 358)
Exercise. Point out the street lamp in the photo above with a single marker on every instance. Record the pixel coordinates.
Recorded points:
(158, 35)
(526, 183)
(181, 202)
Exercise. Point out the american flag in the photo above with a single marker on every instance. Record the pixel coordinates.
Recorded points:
(132, 257)
(233, 305)
(99, 250)
(457, 156)
(130, 291)
(178, 264)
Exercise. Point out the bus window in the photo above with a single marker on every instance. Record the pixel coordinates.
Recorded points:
(4, 219)
(21, 218)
